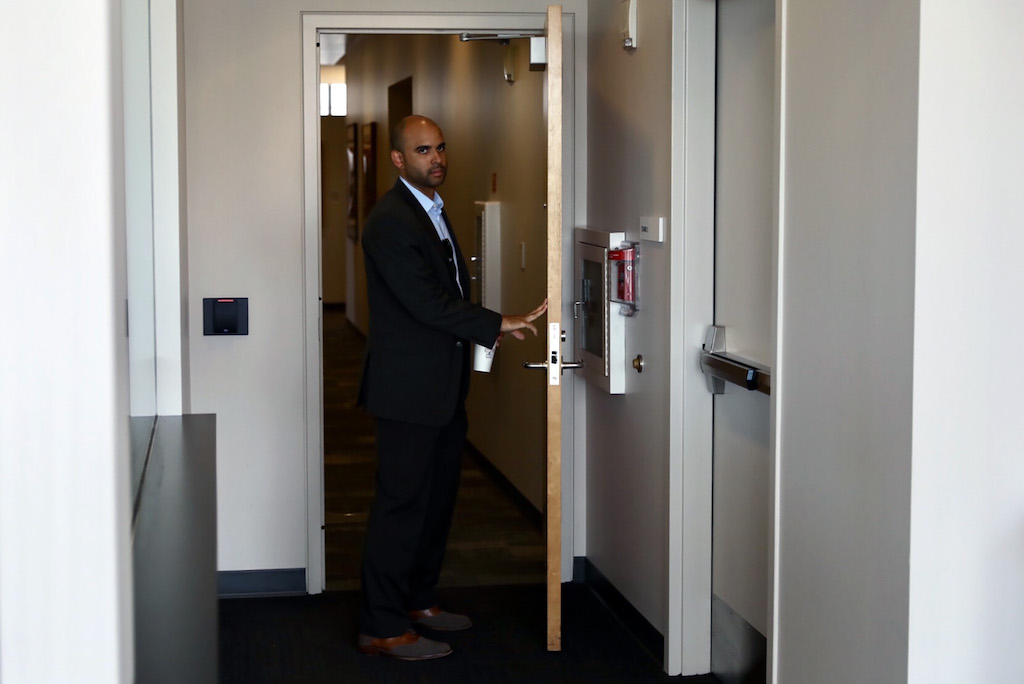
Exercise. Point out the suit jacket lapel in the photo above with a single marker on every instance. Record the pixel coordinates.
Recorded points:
(463, 271)
(417, 208)
(428, 226)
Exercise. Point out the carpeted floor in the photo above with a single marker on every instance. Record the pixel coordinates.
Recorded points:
(311, 639)
(492, 541)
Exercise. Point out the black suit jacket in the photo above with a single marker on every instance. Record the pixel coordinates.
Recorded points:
(417, 362)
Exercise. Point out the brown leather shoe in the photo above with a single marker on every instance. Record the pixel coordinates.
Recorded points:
(435, 618)
(408, 646)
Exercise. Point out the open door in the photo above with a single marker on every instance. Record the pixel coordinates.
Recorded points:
(553, 507)
(553, 364)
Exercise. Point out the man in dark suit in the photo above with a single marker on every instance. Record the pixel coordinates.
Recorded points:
(415, 381)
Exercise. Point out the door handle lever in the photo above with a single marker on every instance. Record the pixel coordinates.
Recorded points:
(552, 366)
(571, 365)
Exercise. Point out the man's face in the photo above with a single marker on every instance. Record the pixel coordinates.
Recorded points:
(422, 160)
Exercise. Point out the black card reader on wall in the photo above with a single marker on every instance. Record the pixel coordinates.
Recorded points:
(226, 316)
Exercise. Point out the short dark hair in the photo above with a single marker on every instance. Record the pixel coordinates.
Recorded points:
(398, 132)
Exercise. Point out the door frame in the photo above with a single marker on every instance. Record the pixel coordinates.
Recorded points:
(692, 255)
(694, 69)
(574, 168)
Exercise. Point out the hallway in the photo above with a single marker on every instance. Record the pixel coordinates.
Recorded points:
(494, 569)
(494, 539)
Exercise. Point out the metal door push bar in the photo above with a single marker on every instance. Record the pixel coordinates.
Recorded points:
(720, 367)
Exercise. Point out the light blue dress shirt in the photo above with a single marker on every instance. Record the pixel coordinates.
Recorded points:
(433, 208)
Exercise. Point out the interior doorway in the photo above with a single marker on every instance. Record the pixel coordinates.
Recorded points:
(313, 25)
(509, 187)
(495, 539)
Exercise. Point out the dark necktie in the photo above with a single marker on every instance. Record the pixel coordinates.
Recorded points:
(450, 251)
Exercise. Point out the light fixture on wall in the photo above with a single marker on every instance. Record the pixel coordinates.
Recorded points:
(510, 62)
(628, 24)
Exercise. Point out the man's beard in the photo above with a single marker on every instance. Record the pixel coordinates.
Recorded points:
(429, 180)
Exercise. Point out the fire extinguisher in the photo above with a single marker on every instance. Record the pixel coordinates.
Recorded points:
(623, 259)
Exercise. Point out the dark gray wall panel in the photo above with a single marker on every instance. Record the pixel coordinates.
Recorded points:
(175, 555)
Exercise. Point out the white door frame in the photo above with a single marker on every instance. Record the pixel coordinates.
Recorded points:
(574, 164)
(691, 244)
(692, 294)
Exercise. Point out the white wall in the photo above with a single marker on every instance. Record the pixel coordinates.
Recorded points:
(628, 176)
(245, 238)
(65, 565)
(966, 551)
(244, 180)
(844, 387)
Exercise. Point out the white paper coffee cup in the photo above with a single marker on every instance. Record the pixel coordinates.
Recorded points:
(483, 357)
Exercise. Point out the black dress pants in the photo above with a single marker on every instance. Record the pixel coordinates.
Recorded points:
(417, 480)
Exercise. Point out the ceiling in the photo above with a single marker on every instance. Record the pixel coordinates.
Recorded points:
(332, 48)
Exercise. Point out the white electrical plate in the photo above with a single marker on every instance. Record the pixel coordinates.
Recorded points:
(554, 350)
(649, 228)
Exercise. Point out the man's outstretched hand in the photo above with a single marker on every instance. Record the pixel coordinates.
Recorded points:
(516, 324)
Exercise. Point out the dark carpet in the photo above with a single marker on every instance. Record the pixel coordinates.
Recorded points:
(311, 639)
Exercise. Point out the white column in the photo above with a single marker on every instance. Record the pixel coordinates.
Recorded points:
(65, 568)
(844, 387)
(967, 505)
(170, 255)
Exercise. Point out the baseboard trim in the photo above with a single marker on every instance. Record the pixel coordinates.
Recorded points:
(649, 638)
(579, 568)
(505, 484)
(246, 583)
(739, 653)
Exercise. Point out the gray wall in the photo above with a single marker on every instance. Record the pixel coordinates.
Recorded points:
(898, 462)
(744, 275)
(629, 104)
(846, 319)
